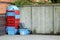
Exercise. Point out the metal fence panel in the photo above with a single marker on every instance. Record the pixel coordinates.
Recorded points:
(42, 19)
(57, 19)
(26, 16)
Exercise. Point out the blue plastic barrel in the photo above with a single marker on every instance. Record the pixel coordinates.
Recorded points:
(10, 14)
(12, 7)
(24, 32)
(17, 16)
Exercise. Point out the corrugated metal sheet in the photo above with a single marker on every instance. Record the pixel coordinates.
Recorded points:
(57, 19)
(42, 19)
(26, 16)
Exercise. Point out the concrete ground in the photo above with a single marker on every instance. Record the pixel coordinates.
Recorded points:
(30, 37)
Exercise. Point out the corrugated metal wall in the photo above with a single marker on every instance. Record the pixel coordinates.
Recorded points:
(57, 19)
(42, 19)
(26, 16)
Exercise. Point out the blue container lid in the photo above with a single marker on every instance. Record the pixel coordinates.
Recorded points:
(12, 7)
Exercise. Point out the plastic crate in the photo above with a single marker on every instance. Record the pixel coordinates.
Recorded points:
(17, 16)
(10, 30)
(7, 19)
(10, 14)
(10, 24)
(17, 12)
(17, 21)
(10, 27)
(12, 7)
(16, 26)
(24, 32)
(10, 17)
(16, 30)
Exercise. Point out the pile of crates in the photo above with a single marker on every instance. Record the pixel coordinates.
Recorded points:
(2, 24)
(12, 19)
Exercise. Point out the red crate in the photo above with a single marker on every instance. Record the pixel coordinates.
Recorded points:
(10, 24)
(10, 21)
(10, 17)
(17, 20)
(17, 12)
(16, 26)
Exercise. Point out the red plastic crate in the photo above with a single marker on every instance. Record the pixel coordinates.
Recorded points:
(17, 20)
(10, 17)
(16, 25)
(17, 12)
(13, 21)
(10, 20)
(10, 24)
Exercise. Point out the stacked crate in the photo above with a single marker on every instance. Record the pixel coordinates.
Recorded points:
(2, 24)
(12, 19)
(17, 18)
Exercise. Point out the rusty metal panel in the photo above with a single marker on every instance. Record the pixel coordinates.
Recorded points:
(26, 16)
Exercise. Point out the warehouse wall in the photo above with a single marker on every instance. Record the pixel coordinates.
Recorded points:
(41, 19)
(57, 19)
(26, 16)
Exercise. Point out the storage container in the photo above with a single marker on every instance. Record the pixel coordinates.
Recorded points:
(16, 26)
(17, 21)
(17, 12)
(16, 30)
(10, 14)
(10, 18)
(9, 27)
(10, 24)
(12, 7)
(11, 32)
(17, 16)
(24, 31)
